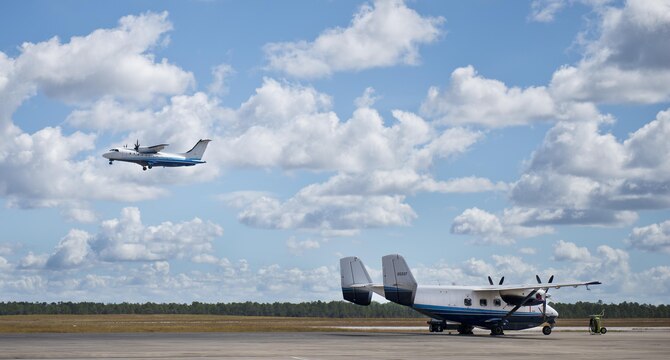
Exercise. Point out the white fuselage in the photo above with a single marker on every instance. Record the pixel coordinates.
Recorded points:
(465, 305)
(150, 159)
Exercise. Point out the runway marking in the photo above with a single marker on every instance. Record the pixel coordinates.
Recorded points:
(298, 358)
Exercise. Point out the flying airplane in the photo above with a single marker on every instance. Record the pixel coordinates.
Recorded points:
(150, 156)
(494, 307)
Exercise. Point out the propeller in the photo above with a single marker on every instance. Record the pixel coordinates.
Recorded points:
(502, 279)
(137, 145)
(546, 294)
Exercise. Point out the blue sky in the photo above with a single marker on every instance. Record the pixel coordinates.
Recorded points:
(478, 138)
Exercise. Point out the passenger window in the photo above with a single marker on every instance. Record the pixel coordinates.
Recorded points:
(482, 302)
(497, 302)
(467, 302)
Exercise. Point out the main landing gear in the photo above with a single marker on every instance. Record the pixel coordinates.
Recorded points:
(145, 167)
(464, 329)
(546, 330)
(497, 330)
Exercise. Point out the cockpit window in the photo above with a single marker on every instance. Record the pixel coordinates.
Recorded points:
(116, 150)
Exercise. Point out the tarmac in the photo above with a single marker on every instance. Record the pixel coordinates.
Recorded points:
(336, 345)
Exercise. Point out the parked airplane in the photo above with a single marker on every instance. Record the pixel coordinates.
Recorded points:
(494, 307)
(150, 156)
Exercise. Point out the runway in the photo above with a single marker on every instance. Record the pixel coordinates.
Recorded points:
(335, 345)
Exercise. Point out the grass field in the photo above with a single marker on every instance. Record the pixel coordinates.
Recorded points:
(218, 323)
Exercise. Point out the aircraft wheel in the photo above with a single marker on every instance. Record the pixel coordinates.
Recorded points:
(546, 330)
(497, 330)
(431, 328)
(110, 162)
(603, 330)
(144, 168)
(439, 328)
(150, 167)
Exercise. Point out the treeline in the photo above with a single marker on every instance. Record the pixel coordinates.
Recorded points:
(333, 309)
(622, 310)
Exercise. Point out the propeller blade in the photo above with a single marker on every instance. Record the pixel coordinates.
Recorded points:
(490, 281)
(538, 279)
(501, 280)
(522, 303)
(551, 279)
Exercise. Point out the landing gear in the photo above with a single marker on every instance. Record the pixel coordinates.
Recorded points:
(110, 162)
(144, 168)
(150, 167)
(435, 328)
(497, 330)
(464, 329)
(546, 330)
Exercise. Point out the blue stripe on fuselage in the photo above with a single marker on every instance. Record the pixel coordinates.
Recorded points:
(481, 317)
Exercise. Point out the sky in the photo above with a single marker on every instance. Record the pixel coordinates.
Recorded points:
(474, 138)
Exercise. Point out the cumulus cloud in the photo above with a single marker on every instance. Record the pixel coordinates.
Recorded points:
(72, 251)
(569, 251)
(581, 175)
(127, 239)
(104, 68)
(545, 10)
(297, 247)
(487, 228)
(220, 74)
(652, 238)
(384, 34)
(326, 213)
(45, 170)
(628, 62)
(108, 62)
(473, 99)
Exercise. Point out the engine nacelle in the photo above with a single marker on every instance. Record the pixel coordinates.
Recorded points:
(515, 297)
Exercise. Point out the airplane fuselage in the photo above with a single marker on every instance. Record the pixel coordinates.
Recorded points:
(151, 156)
(150, 159)
(477, 308)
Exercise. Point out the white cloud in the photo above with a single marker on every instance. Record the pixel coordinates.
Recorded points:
(297, 247)
(545, 10)
(108, 62)
(629, 60)
(652, 238)
(580, 175)
(324, 213)
(108, 67)
(384, 34)
(569, 251)
(292, 127)
(72, 251)
(473, 99)
(219, 85)
(46, 169)
(487, 228)
(127, 239)
(32, 261)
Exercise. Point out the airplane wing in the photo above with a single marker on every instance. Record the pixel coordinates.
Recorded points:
(535, 286)
(375, 288)
(156, 148)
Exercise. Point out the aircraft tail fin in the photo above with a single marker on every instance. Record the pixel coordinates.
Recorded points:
(354, 276)
(399, 283)
(198, 150)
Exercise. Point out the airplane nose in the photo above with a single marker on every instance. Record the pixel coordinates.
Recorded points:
(106, 155)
